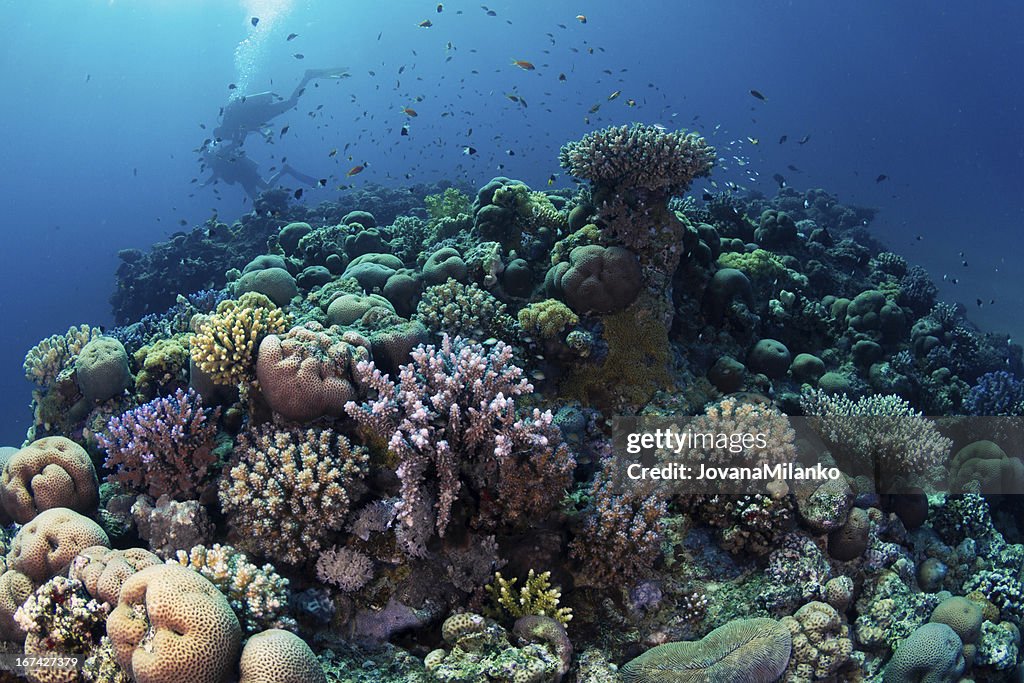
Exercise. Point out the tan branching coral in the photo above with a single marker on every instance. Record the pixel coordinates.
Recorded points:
(286, 489)
(225, 344)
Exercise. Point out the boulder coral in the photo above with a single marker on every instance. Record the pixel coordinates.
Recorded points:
(172, 625)
(49, 473)
(306, 374)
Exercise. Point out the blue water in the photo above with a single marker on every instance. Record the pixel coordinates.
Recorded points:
(105, 101)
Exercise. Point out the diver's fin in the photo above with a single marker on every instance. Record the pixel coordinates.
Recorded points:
(337, 72)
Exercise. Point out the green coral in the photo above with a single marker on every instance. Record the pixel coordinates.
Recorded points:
(450, 204)
(536, 597)
(547, 319)
(759, 264)
(164, 366)
(463, 310)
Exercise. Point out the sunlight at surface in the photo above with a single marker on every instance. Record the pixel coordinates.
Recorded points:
(249, 52)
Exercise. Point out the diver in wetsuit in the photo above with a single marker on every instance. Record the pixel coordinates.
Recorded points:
(249, 113)
(227, 162)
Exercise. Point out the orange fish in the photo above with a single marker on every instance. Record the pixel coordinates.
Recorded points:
(355, 170)
(409, 111)
(582, 18)
(524, 65)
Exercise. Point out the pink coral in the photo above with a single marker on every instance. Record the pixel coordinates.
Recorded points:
(305, 374)
(163, 447)
(452, 422)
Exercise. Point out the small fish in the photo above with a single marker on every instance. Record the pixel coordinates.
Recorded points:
(440, 8)
(803, 140)
(322, 182)
(405, 130)
(426, 23)
(292, 36)
(491, 13)
(881, 177)
(779, 179)
(753, 141)
(284, 129)
(88, 77)
(783, 139)
(758, 95)
(231, 86)
(510, 152)
(630, 103)
(594, 109)
(469, 151)
(551, 178)
(793, 168)
(298, 193)
(582, 18)
(333, 153)
(511, 96)
(614, 95)
(561, 77)
(707, 196)
(980, 303)
(254, 21)
(299, 55)
(409, 111)
(355, 170)
(523, 64)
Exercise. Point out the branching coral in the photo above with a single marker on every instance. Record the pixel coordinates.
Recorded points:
(45, 360)
(225, 344)
(464, 310)
(61, 617)
(287, 489)
(536, 597)
(451, 421)
(257, 595)
(881, 432)
(345, 568)
(639, 156)
(163, 447)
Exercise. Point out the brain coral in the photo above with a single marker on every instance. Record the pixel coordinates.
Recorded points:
(597, 279)
(277, 656)
(49, 473)
(931, 654)
(172, 625)
(286, 489)
(103, 571)
(46, 545)
(306, 373)
(749, 650)
(225, 345)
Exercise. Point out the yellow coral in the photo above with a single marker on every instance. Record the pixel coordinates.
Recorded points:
(536, 597)
(45, 360)
(162, 362)
(547, 319)
(758, 264)
(225, 346)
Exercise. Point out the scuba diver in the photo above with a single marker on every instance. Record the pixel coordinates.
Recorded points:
(227, 162)
(250, 113)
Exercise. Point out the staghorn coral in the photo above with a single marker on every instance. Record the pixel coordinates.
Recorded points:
(285, 490)
(163, 447)
(224, 346)
(749, 650)
(451, 422)
(622, 528)
(536, 597)
(48, 358)
(258, 595)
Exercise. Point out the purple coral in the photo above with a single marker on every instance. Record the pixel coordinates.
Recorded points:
(163, 447)
(451, 421)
